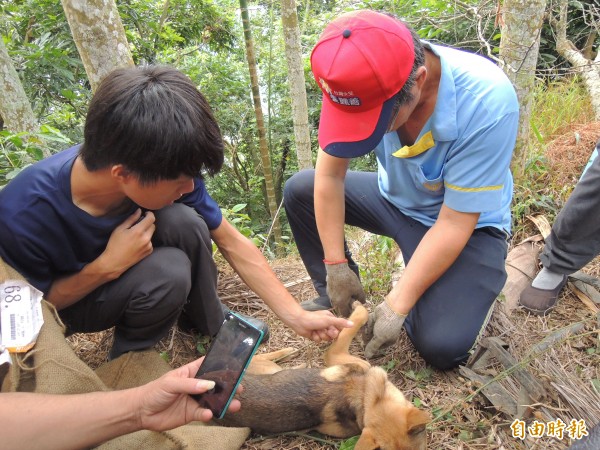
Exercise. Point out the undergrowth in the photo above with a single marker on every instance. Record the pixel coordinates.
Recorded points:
(557, 108)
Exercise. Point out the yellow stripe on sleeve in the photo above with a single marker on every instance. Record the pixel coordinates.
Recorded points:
(472, 189)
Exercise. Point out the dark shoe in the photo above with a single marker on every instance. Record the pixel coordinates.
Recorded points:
(541, 301)
(184, 323)
(317, 304)
(257, 323)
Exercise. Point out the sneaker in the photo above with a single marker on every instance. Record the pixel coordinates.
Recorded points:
(317, 304)
(541, 301)
(257, 323)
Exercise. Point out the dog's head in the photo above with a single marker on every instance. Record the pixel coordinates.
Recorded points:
(390, 421)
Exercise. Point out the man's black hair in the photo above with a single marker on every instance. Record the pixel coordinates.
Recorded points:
(153, 121)
(405, 95)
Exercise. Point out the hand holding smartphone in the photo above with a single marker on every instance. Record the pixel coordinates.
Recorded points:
(226, 361)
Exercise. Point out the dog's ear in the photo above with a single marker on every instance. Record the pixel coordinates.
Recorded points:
(366, 441)
(416, 421)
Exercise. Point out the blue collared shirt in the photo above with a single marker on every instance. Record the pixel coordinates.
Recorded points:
(462, 155)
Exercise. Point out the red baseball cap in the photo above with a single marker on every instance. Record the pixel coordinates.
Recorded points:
(362, 60)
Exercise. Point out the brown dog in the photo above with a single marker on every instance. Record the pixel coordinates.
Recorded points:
(347, 398)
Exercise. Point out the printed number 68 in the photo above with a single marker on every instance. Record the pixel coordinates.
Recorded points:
(10, 290)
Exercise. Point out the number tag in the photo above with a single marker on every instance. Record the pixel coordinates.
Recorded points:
(20, 316)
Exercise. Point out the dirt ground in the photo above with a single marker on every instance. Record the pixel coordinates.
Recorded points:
(568, 368)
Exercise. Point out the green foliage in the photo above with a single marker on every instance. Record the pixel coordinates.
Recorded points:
(532, 195)
(241, 221)
(39, 42)
(557, 105)
(421, 376)
(390, 365)
(19, 150)
(243, 224)
(349, 444)
(378, 265)
(48, 55)
(153, 28)
(202, 344)
(455, 23)
(441, 414)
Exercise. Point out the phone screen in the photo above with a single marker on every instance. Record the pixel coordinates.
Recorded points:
(227, 358)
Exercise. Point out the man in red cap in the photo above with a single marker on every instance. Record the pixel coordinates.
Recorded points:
(443, 124)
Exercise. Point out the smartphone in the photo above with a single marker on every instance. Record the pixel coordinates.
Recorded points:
(226, 361)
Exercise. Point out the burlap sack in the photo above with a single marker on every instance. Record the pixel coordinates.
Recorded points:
(52, 367)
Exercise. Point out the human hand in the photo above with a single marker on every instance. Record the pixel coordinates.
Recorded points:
(383, 328)
(318, 326)
(130, 242)
(165, 403)
(343, 288)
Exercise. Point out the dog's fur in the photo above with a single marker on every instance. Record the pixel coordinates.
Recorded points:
(347, 398)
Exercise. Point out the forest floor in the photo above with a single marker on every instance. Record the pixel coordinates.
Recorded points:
(568, 367)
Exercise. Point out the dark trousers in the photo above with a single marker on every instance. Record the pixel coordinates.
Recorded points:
(143, 304)
(447, 319)
(575, 237)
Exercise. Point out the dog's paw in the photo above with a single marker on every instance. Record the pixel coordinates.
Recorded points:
(359, 315)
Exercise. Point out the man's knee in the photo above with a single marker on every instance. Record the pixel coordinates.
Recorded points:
(442, 350)
(180, 223)
(299, 186)
(165, 280)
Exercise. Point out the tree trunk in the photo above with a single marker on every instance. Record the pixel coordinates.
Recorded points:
(293, 53)
(15, 108)
(519, 50)
(588, 69)
(260, 123)
(588, 48)
(99, 36)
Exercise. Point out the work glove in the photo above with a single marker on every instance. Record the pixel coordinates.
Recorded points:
(343, 288)
(383, 328)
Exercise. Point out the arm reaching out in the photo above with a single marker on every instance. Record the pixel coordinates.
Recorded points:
(43, 421)
(253, 268)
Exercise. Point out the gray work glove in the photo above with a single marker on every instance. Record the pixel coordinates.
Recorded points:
(343, 288)
(383, 328)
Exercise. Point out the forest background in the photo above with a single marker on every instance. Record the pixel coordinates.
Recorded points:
(251, 61)
(269, 114)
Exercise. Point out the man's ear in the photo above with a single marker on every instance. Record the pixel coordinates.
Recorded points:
(121, 174)
(421, 76)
